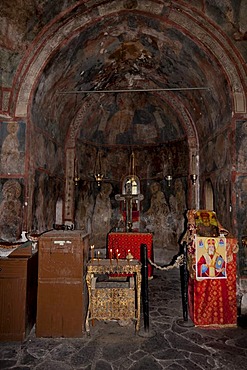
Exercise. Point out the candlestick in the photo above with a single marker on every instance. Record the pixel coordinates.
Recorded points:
(92, 252)
(117, 256)
(117, 253)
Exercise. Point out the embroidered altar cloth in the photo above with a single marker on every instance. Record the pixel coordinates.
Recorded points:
(124, 242)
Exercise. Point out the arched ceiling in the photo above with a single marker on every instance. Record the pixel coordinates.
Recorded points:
(135, 51)
(155, 63)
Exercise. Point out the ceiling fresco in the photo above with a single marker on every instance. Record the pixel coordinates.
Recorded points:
(173, 51)
(130, 52)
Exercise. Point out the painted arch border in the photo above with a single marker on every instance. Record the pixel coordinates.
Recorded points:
(54, 35)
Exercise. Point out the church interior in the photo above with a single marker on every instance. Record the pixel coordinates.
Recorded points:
(121, 118)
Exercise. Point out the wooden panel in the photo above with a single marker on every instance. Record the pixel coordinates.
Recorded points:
(13, 268)
(60, 309)
(18, 296)
(59, 265)
(12, 307)
(61, 254)
(62, 299)
(24, 250)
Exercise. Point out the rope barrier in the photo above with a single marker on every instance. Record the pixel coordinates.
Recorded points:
(177, 263)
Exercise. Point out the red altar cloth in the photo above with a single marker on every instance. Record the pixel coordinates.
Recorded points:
(131, 241)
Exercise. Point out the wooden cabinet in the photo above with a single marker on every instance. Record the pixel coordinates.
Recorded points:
(18, 296)
(62, 292)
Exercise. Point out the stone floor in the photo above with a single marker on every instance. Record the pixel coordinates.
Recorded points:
(166, 344)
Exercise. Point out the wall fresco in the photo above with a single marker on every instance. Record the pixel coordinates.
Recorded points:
(12, 144)
(11, 204)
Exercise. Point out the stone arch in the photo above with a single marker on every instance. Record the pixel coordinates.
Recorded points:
(185, 119)
(66, 27)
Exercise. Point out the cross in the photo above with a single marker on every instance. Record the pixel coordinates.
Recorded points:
(128, 198)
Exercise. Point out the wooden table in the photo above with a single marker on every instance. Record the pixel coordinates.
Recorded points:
(114, 299)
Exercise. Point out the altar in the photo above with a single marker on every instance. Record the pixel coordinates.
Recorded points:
(121, 243)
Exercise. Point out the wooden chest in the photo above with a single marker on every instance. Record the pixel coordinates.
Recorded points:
(18, 296)
(62, 292)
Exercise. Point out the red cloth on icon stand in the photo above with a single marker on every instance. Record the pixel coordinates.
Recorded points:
(211, 302)
(131, 241)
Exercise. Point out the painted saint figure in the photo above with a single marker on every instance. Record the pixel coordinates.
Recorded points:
(10, 154)
(11, 211)
(211, 264)
(157, 217)
(205, 226)
(101, 221)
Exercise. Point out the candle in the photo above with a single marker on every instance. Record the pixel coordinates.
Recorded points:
(110, 256)
(92, 251)
(98, 255)
(117, 253)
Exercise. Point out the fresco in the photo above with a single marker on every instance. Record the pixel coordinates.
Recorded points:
(47, 191)
(12, 143)
(11, 204)
(241, 145)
